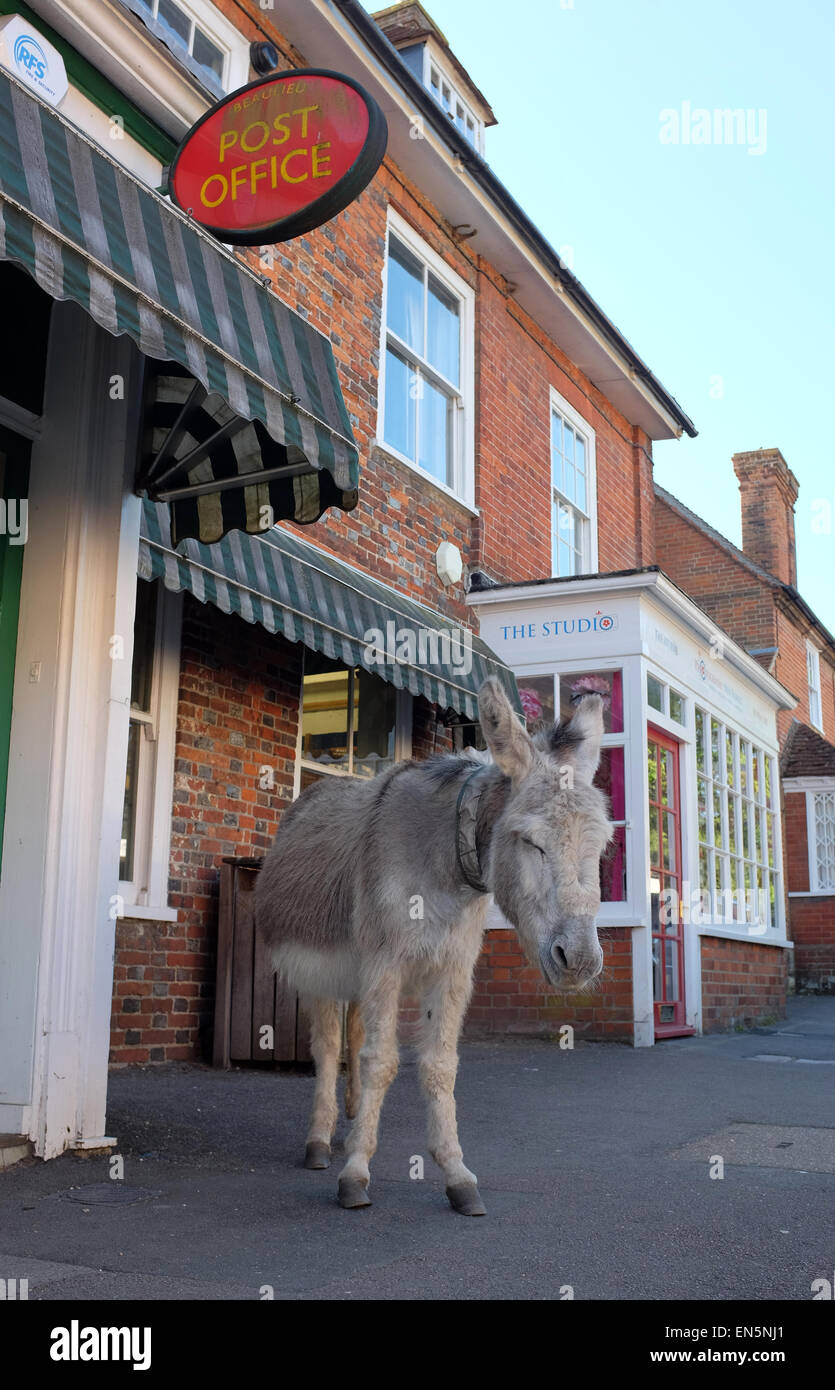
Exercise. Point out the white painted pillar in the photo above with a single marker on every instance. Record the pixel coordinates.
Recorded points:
(69, 742)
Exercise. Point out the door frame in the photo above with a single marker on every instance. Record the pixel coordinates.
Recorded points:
(677, 1026)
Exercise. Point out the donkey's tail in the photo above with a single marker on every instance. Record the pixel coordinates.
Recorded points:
(354, 1037)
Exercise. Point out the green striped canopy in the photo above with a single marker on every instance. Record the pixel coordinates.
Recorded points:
(293, 588)
(87, 230)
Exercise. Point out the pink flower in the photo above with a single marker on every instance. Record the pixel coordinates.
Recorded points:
(591, 685)
(531, 703)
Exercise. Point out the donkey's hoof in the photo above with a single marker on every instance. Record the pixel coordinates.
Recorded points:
(317, 1154)
(353, 1192)
(464, 1197)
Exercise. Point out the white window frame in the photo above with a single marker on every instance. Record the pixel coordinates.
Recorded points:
(146, 895)
(463, 488)
(816, 889)
(430, 61)
(403, 713)
(232, 43)
(745, 929)
(559, 405)
(813, 683)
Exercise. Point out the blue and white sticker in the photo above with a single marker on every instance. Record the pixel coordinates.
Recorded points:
(32, 59)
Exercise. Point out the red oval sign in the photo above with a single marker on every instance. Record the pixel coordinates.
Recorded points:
(279, 156)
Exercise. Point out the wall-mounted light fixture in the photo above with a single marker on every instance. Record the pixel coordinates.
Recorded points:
(264, 57)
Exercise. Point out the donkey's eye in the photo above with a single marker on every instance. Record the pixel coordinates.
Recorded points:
(534, 845)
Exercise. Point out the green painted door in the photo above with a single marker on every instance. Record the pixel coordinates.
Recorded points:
(14, 482)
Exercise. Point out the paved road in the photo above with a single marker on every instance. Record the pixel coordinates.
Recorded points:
(594, 1165)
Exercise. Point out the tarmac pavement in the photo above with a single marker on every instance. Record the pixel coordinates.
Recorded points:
(595, 1165)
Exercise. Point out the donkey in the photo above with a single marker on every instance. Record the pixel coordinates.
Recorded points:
(380, 888)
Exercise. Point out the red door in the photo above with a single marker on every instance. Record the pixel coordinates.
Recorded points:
(663, 785)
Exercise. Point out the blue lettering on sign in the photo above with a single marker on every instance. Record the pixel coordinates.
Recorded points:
(29, 55)
(559, 627)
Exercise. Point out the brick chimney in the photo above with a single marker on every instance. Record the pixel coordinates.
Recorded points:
(768, 492)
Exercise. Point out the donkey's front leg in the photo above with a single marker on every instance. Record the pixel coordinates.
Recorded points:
(324, 1045)
(378, 1068)
(444, 1006)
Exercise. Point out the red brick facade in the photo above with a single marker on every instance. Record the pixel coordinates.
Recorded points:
(509, 995)
(743, 984)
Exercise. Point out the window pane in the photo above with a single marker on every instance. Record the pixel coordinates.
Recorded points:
(443, 331)
(655, 693)
(568, 443)
(435, 432)
(401, 407)
(610, 686)
(207, 54)
(144, 642)
(404, 295)
(325, 713)
(677, 707)
(172, 17)
(374, 721)
(703, 835)
(537, 696)
(613, 869)
(610, 778)
(580, 490)
(729, 757)
(716, 750)
(700, 741)
(128, 844)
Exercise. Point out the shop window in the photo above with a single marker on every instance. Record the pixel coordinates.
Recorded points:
(813, 680)
(666, 700)
(820, 819)
(146, 812)
(353, 723)
(611, 772)
(427, 391)
(573, 492)
(188, 28)
(738, 825)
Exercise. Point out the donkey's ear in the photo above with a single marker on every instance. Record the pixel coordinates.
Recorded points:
(576, 741)
(510, 745)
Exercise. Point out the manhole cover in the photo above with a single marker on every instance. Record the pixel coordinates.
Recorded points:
(106, 1194)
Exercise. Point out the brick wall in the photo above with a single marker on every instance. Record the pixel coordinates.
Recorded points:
(743, 984)
(511, 996)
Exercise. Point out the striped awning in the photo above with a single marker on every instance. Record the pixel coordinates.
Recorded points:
(295, 589)
(87, 230)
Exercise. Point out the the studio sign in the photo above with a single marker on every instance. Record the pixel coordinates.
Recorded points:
(279, 157)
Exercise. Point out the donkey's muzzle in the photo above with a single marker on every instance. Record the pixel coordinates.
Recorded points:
(569, 963)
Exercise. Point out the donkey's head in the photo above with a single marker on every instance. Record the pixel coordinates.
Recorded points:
(545, 848)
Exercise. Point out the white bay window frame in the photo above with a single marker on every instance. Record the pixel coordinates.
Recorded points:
(462, 486)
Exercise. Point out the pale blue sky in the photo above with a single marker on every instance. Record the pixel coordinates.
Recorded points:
(713, 262)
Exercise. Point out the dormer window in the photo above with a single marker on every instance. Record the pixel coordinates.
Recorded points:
(460, 114)
(429, 58)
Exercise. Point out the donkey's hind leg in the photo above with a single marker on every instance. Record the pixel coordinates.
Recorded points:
(355, 1033)
(325, 1032)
